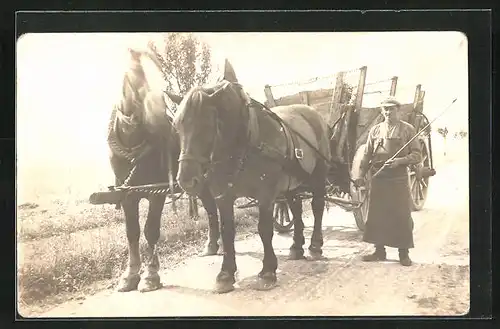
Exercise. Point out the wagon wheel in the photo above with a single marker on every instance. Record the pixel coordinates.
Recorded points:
(419, 183)
(361, 194)
(282, 216)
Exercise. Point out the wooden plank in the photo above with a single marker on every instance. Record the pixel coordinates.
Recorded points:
(335, 110)
(417, 95)
(420, 104)
(394, 84)
(321, 93)
(353, 128)
(269, 96)
(361, 88)
(340, 130)
(304, 96)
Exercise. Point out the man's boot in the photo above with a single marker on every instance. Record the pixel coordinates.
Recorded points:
(404, 257)
(378, 255)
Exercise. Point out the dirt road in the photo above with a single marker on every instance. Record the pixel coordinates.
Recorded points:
(436, 284)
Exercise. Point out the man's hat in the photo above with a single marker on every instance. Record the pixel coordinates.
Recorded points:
(390, 101)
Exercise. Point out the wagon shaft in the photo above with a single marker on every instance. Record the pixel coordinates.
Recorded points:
(111, 197)
(347, 205)
(117, 193)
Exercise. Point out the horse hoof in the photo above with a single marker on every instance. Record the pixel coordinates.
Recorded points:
(129, 283)
(209, 251)
(151, 283)
(267, 282)
(316, 255)
(223, 287)
(296, 254)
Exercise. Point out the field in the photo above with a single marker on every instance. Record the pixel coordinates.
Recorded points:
(67, 247)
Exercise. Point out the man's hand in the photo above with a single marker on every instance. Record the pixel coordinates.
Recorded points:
(359, 182)
(395, 163)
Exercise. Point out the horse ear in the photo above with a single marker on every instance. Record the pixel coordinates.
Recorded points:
(212, 93)
(174, 98)
(229, 74)
(134, 53)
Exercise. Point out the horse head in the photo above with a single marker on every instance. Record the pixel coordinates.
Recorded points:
(142, 101)
(208, 121)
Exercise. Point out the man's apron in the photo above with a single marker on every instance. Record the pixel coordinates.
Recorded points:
(389, 220)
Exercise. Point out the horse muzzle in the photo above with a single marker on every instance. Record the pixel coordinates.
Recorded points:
(190, 175)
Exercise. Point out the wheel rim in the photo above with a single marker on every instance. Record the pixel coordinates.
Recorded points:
(419, 185)
(361, 194)
(282, 215)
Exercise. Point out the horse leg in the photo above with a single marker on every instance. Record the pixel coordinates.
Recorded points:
(193, 208)
(225, 279)
(296, 250)
(318, 207)
(267, 276)
(131, 277)
(152, 234)
(208, 201)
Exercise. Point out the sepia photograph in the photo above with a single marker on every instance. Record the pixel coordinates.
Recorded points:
(178, 174)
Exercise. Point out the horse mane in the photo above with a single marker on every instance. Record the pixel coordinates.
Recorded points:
(143, 91)
(193, 99)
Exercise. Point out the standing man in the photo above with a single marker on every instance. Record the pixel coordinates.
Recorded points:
(389, 221)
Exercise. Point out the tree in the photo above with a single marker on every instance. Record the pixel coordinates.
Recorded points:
(443, 132)
(186, 61)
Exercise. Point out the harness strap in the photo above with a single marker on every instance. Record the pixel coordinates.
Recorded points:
(283, 123)
(291, 166)
(253, 125)
(288, 161)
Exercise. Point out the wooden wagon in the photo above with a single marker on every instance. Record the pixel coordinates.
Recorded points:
(350, 122)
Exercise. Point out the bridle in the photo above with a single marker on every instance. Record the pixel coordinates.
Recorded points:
(208, 163)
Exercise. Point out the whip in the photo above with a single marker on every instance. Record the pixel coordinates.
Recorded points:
(412, 139)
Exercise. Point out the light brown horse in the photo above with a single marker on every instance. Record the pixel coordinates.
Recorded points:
(144, 149)
(239, 148)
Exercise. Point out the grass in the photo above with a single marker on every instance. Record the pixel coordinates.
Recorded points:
(65, 248)
(39, 222)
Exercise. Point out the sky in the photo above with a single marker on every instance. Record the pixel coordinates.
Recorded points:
(67, 83)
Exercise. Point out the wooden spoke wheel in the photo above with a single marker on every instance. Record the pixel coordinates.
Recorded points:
(361, 194)
(419, 180)
(282, 215)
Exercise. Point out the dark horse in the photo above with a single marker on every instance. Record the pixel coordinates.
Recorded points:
(239, 148)
(144, 149)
